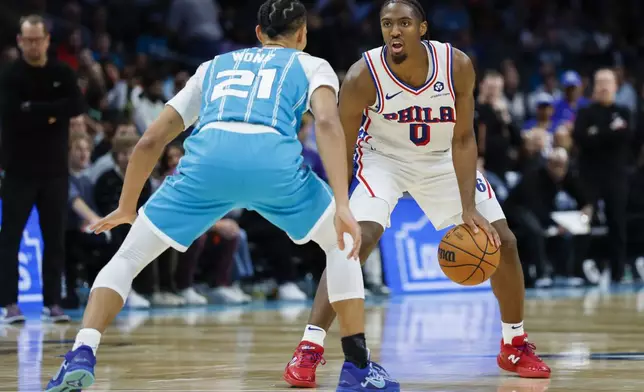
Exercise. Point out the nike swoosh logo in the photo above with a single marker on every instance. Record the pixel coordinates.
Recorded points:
(315, 329)
(513, 327)
(388, 97)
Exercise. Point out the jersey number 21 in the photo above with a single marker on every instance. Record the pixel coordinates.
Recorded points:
(244, 78)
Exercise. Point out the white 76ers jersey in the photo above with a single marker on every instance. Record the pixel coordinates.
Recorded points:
(406, 123)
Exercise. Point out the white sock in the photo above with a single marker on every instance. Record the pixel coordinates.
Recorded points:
(511, 331)
(88, 337)
(314, 334)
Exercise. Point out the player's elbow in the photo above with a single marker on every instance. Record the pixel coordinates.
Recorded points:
(328, 124)
(149, 143)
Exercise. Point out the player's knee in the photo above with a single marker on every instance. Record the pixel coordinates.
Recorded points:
(508, 239)
(117, 275)
(344, 277)
(371, 233)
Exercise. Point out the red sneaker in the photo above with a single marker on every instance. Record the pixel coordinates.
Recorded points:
(520, 358)
(300, 372)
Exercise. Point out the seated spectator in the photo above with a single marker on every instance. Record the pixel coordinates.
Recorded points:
(107, 192)
(79, 243)
(565, 108)
(530, 205)
(277, 249)
(123, 130)
(543, 120)
(147, 101)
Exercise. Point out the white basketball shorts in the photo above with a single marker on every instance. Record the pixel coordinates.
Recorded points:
(432, 183)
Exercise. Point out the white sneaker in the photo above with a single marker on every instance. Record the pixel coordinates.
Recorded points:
(224, 295)
(167, 299)
(543, 282)
(592, 273)
(574, 281)
(639, 267)
(290, 292)
(137, 301)
(191, 297)
(238, 290)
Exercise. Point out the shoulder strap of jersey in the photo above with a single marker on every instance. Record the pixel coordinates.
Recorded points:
(371, 57)
(449, 69)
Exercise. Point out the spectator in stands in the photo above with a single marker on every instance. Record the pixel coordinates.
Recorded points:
(515, 96)
(276, 248)
(529, 208)
(549, 86)
(107, 192)
(497, 136)
(35, 137)
(195, 26)
(83, 248)
(147, 101)
(567, 106)
(9, 55)
(626, 95)
(543, 120)
(103, 159)
(603, 136)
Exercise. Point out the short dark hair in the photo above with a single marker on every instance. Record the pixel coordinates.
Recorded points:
(34, 19)
(415, 6)
(281, 17)
(418, 8)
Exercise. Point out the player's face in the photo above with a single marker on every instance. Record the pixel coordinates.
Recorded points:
(400, 27)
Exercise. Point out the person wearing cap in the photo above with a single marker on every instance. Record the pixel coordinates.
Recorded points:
(544, 115)
(602, 135)
(566, 108)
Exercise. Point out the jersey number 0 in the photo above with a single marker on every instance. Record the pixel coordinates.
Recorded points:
(245, 78)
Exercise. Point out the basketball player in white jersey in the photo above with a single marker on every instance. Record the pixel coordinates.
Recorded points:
(410, 106)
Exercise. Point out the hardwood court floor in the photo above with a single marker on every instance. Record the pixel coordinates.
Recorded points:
(448, 342)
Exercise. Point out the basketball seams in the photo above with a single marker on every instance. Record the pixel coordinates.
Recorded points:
(487, 240)
(471, 254)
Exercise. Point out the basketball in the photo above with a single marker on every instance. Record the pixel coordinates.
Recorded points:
(467, 258)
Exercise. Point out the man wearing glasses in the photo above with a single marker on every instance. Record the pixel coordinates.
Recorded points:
(38, 96)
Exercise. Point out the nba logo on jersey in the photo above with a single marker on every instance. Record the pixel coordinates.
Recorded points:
(409, 251)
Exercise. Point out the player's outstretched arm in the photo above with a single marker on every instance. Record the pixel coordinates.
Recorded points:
(357, 93)
(330, 139)
(464, 150)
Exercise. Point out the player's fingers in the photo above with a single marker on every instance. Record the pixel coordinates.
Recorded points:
(100, 227)
(357, 242)
(341, 239)
(473, 226)
(491, 234)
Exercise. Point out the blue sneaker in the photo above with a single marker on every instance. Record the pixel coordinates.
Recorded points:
(76, 372)
(372, 378)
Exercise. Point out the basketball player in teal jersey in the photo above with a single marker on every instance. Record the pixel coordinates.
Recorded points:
(412, 103)
(244, 153)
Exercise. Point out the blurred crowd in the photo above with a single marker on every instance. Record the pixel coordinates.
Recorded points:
(536, 62)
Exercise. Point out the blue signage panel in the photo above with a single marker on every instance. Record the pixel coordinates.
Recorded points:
(409, 251)
(30, 262)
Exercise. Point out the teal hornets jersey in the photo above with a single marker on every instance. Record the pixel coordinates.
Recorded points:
(263, 86)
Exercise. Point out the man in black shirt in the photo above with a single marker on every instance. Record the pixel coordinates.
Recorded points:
(38, 97)
(602, 135)
(531, 203)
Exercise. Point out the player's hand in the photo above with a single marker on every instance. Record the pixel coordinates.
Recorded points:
(345, 222)
(475, 220)
(116, 218)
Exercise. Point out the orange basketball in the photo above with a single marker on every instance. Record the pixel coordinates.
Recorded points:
(467, 258)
